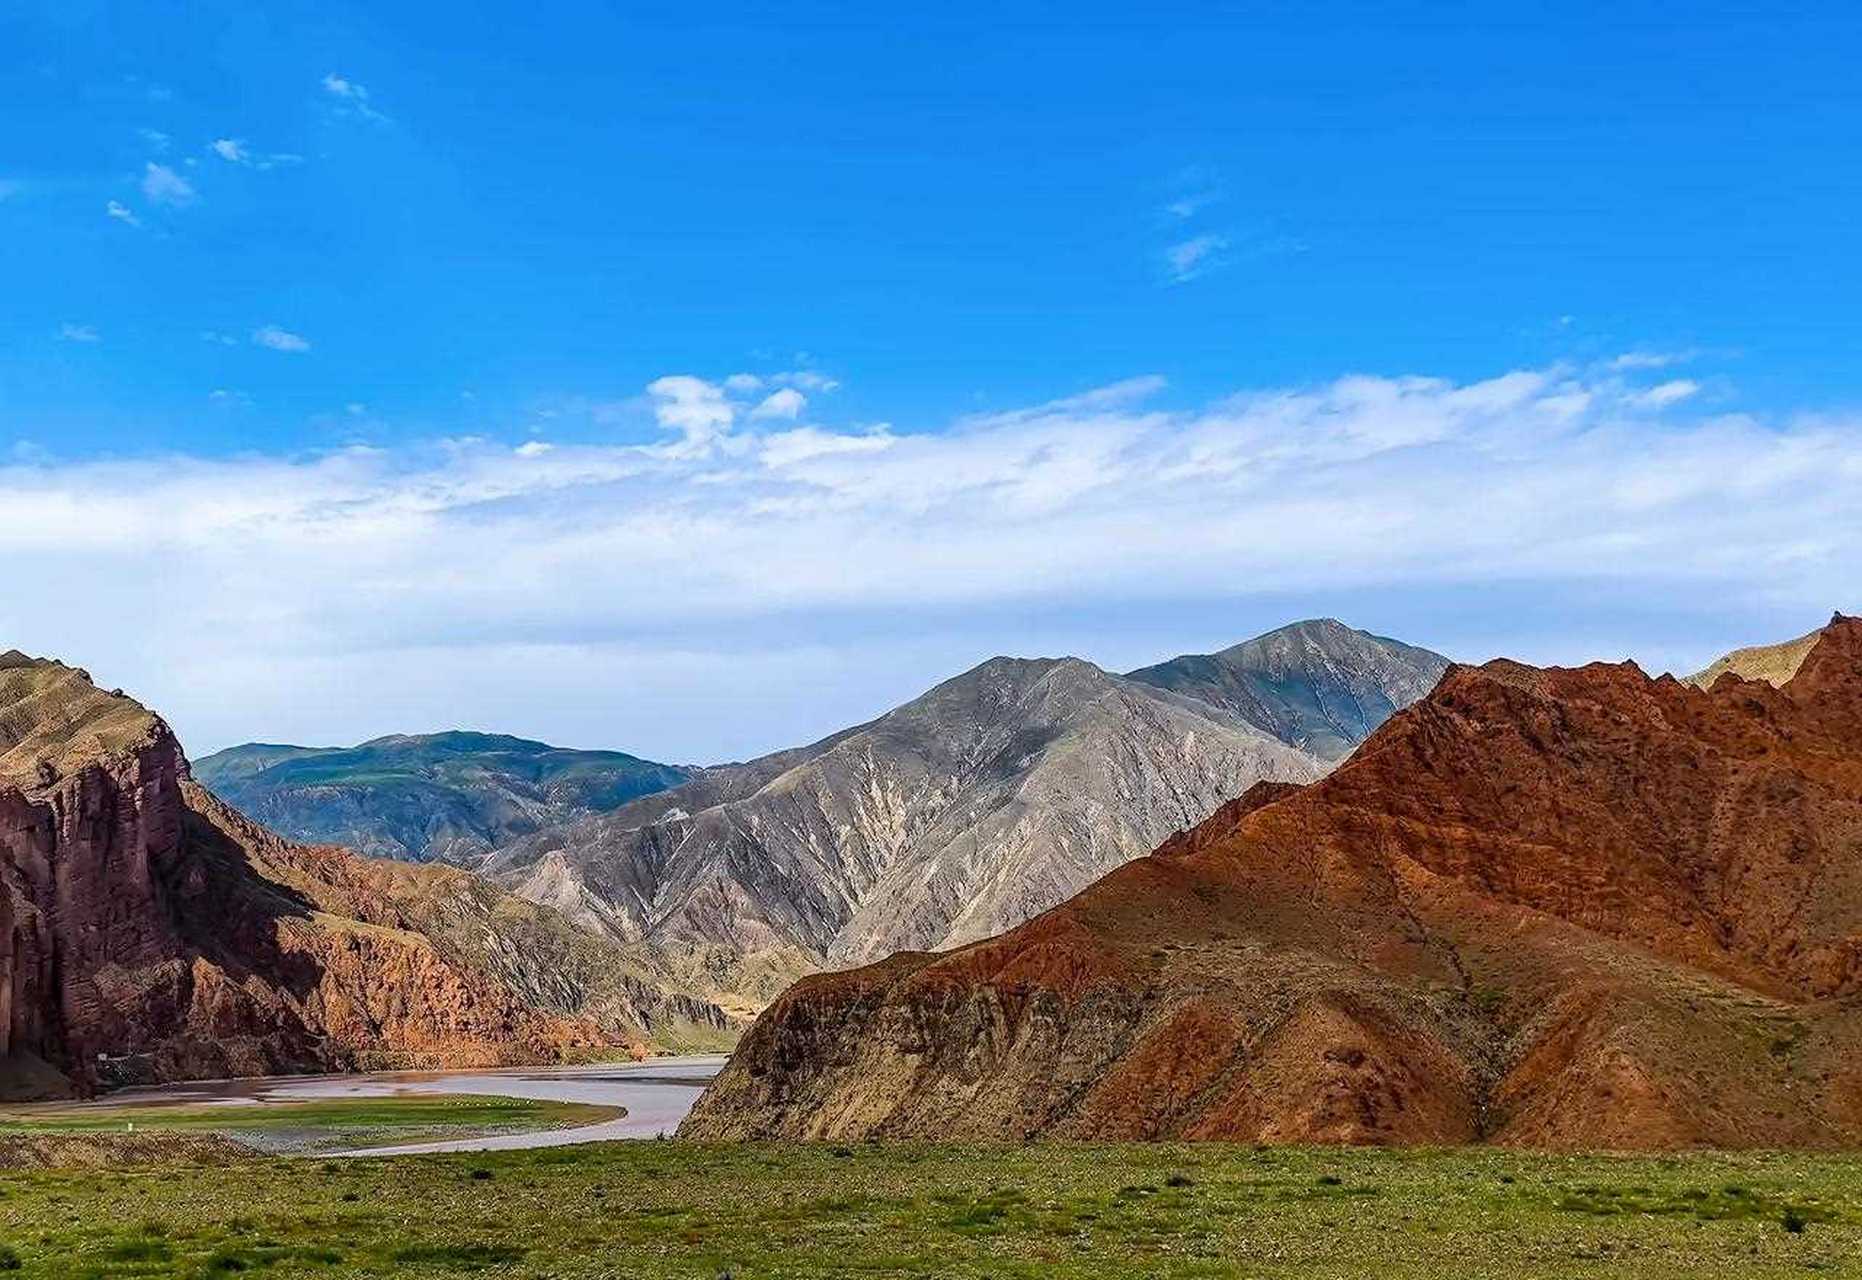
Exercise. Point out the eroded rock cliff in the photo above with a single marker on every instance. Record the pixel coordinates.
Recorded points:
(152, 933)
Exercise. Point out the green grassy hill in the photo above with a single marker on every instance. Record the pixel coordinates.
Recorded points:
(420, 797)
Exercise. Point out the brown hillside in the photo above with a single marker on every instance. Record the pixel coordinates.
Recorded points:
(152, 933)
(1540, 907)
(1773, 663)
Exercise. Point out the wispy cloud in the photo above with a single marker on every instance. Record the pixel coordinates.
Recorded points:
(238, 151)
(1188, 206)
(122, 213)
(353, 97)
(1631, 361)
(1188, 259)
(163, 186)
(786, 403)
(10, 187)
(276, 339)
(154, 139)
(806, 380)
(1664, 394)
(69, 332)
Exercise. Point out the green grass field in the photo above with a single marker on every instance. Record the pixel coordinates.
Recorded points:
(320, 1125)
(657, 1209)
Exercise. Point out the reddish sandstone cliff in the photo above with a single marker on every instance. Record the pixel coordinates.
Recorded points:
(148, 932)
(1548, 908)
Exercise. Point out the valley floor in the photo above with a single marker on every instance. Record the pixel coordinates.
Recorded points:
(675, 1209)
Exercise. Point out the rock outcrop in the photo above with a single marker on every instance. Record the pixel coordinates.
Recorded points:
(1554, 908)
(420, 797)
(150, 932)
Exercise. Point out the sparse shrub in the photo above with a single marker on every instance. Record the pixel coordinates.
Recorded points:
(1793, 1221)
(1179, 1180)
(460, 1255)
(9, 1260)
(481, 1175)
(1330, 1180)
(146, 1249)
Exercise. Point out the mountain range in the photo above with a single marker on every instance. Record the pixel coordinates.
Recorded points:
(1539, 907)
(992, 797)
(995, 795)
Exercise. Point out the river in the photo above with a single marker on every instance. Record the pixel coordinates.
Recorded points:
(656, 1093)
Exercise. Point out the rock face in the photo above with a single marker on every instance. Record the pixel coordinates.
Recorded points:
(991, 798)
(453, 796)
(1319, 685)
(1559, 908)
(150, 932)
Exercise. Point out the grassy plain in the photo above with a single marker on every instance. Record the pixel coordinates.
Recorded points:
(324, 1124)
(673, 1209)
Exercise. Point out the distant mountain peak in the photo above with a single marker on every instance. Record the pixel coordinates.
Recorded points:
(1318, 684)
(456, 794)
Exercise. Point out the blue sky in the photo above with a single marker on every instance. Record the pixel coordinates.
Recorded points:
(382, 340)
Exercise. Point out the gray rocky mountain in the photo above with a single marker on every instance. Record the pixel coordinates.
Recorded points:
(994, 796)
(1318, 685)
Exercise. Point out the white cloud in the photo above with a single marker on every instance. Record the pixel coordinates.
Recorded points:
(122, 213)
(1189, 206)
(743, 383)
(231, 150)
(225, 395)
(1193, 257)
(803, 444)
(218, 338)
(786, 403)
(477, 580)
(1667, 393)
(1631, 361)
(533, 449)
(353, 96)
(155, 138)
(162, 185)
(276, 339)
(806, 380)
(696, 409)
(78, 333)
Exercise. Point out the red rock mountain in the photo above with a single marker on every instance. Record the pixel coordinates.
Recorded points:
(1550, 908)
(149, 932)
